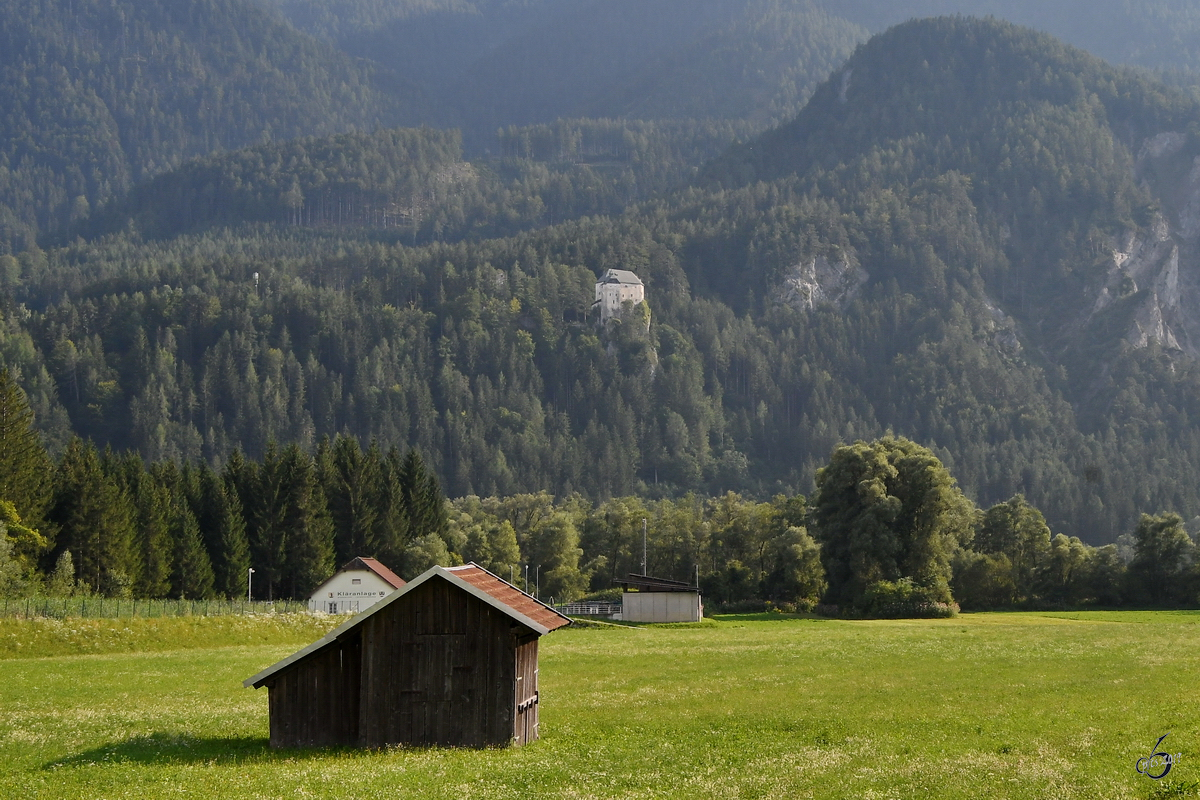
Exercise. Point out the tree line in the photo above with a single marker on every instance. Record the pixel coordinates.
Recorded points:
(899, 538)
(888, 532)
(106, 523)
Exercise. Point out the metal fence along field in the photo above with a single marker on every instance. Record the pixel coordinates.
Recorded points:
(114, 608)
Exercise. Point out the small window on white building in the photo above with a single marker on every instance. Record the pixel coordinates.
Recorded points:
(356, 581)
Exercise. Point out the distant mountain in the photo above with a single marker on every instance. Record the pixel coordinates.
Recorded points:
(973, 235)
(1080, 172)
(414, 184)
(95, 97)
(518, 63)
(1157, 34)
(758, 66)
(502, 62)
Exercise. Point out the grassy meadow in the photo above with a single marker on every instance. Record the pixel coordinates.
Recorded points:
(986, 705)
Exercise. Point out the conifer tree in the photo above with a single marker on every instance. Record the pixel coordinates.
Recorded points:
(95, 521)
(26, 471)
(263, 490)
(192, 574)
(153, 544)
(393, 528)
(351, 480)
(421, 495)
(291, 534)
(222, 528)
(309, 554)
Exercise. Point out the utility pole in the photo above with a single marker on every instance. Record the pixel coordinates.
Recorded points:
(644, 572)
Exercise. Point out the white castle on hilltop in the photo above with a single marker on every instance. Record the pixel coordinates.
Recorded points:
(614, 288)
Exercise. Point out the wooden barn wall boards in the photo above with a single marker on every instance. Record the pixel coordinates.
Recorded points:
(450, 659)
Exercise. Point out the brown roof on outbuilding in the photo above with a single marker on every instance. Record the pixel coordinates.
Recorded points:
(510, 596)
(472, 578)
(391, 578)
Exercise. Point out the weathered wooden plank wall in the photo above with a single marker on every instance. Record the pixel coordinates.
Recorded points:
(438, 668)
(315, 703)
(525, 727)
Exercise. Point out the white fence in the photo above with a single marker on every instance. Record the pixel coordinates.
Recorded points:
(589, 609)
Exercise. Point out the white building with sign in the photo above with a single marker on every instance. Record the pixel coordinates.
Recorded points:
(356, 587)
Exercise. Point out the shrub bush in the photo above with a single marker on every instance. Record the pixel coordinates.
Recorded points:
(903, 599)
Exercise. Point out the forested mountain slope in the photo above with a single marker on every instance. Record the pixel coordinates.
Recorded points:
(1158, 34)
(1079, 176)
(97, 96)
(414, 184)
(959, 240)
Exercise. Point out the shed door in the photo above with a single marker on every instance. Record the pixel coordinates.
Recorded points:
(525, 728)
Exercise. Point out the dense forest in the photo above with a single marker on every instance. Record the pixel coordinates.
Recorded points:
(968, 234)
(481, 352)
(99, 97)
(891, 533)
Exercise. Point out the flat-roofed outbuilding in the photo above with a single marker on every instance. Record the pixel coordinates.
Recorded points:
(647, 599)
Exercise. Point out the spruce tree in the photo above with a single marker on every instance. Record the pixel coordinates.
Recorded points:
(192, 575)
(95, 521)
(152, 505)
(421, 495)
(291, 533)
(309, 554)
(26, 471)
(393, 527)
(219, 515)
(263, 492)
(351, 480)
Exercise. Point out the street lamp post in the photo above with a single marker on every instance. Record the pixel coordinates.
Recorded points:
(537, 582)
(249, 584)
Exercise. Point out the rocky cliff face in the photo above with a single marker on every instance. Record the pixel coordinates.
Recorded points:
(1156, 271)
(818, 281)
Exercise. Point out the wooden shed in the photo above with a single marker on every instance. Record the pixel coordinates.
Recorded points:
(449, 659)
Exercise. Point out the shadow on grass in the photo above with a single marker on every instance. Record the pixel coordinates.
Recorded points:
(171, 748)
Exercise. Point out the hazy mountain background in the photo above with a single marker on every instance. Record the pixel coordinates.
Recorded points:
(966, 232)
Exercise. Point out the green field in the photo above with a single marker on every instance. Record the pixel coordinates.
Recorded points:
(987, 705)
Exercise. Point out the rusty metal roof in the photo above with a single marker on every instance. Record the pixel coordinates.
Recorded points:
(389, 577)
(473, 579)
(510, 596)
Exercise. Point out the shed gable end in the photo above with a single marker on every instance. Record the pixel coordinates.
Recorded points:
(438, 669)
